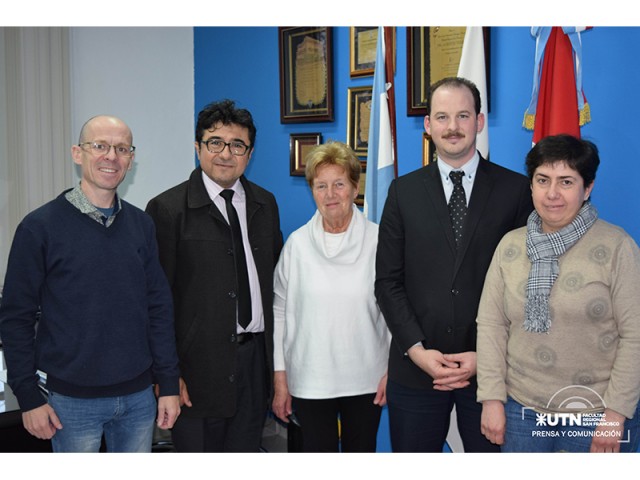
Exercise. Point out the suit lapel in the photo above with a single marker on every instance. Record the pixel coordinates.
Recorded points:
(253, 203)
(198, 197)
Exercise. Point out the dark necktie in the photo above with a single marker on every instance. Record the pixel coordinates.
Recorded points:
(243, 294)
(457, 205)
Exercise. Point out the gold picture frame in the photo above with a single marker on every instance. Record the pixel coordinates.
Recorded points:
(358, 116)
(363, 42)
(299, 146)
(429, 153)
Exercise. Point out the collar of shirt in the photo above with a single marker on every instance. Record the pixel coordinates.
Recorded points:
(78, 199)
(470, 168)
(213, 189)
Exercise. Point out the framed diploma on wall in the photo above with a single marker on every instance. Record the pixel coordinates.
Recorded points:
(433, 53)
(363, 50)
(358, 117)
(364, 41)
(300, 144)
(306, 74)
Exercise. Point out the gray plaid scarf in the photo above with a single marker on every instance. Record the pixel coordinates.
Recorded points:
(543, 250)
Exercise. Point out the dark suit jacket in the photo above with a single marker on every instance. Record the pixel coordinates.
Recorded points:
(426, 291)
(194, 242)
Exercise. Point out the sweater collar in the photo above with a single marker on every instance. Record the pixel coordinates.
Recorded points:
(351, 243)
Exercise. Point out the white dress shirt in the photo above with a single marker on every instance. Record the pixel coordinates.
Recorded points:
(240, 203)
(469, 169)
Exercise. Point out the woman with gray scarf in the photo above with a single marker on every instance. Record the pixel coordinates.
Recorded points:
(559, 319)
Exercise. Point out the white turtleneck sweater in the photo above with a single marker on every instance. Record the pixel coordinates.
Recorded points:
(329, 335)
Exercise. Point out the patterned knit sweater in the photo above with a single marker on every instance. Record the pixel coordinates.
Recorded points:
(589, 358)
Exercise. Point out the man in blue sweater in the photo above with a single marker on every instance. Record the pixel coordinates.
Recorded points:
(87, 303)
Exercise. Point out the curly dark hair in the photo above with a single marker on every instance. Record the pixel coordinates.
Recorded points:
(225, 112)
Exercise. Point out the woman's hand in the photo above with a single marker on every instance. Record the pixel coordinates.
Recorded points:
(493, 421)
(281, 404)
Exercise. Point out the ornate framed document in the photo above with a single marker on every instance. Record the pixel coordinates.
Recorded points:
(306, 74)
(364, 44)
(364, 41)
(358, 116)
(299, 146)
(432, 54)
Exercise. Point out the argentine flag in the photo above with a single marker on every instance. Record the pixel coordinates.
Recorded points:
(380, 156)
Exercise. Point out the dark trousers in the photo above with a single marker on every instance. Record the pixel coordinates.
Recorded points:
(243, 431)
(419, 419)
(359, 421)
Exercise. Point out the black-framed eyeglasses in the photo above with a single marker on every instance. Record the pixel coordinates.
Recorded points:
(102, 148)
(236, 147)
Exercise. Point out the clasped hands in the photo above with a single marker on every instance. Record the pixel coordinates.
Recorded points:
(448, 370)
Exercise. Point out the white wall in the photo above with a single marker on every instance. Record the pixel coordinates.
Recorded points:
(143, 75)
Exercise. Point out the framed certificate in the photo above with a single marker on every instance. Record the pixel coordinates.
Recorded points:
(364, 41)
(358, 117)
(306, 74)
(299, 146)
(434, 53)
(364, 44)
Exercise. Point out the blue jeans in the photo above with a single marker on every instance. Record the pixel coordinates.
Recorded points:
(525, 434)
(127, 422)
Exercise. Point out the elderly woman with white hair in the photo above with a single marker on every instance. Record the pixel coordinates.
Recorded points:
(331, 343)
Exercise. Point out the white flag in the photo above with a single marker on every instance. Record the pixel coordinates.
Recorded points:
(472, 67)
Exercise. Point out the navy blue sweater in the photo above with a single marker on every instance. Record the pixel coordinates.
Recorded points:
(106, 313)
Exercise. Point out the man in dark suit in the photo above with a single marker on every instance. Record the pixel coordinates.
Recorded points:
(428, 285)
(225, 351)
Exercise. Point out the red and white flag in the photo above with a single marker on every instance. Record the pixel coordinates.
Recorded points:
(558, 104)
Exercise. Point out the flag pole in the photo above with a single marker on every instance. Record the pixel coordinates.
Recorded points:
(391, 92)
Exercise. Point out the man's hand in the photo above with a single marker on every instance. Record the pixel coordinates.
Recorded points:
(449, 371)
(467, 361)
(168, 411)
(184, 394)
(41, 422)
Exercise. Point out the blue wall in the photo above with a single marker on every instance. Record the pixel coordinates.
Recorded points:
(241, 63)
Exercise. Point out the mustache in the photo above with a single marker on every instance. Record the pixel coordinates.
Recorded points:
(454, 134)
